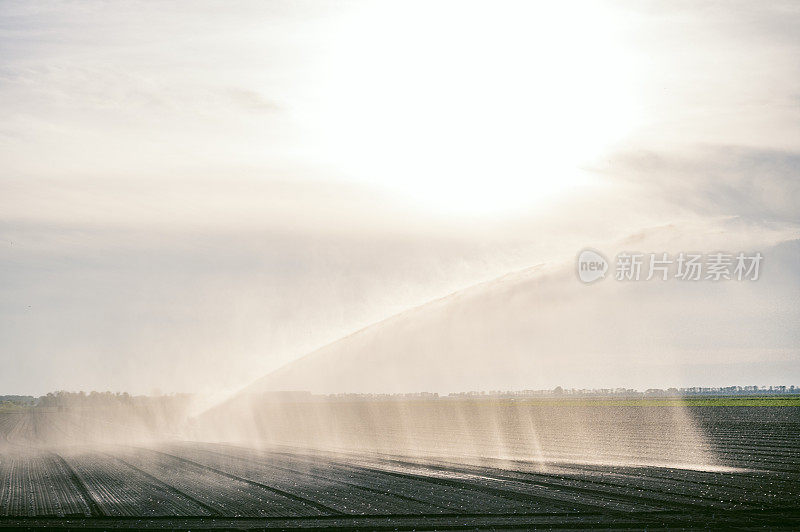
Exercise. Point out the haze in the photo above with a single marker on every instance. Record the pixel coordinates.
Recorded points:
(192, 195)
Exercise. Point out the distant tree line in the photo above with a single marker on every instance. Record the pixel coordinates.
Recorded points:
(106, 399)
(17, 400)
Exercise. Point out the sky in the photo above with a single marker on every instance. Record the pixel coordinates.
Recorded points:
(193, 194)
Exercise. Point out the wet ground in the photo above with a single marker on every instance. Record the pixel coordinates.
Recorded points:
(754, 482)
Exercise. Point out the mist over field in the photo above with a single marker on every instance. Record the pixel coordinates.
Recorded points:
(541, 328)
(399, 265)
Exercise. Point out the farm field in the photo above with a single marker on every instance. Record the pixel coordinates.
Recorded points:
(753, 479)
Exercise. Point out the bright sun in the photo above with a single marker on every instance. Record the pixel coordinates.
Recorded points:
(473, 107)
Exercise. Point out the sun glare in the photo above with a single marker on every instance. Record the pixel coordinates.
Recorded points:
(471, 108)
